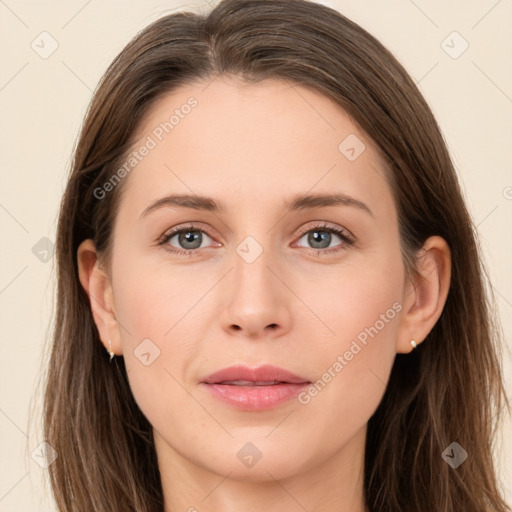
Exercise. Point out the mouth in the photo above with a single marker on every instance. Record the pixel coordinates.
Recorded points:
(250, 383)
(254, 389)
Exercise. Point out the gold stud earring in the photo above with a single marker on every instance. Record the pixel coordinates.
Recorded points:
(414, 345)
(109, 350)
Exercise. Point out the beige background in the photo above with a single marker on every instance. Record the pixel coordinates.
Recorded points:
(43, 101)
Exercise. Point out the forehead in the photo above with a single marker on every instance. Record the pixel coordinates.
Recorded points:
(240, 141)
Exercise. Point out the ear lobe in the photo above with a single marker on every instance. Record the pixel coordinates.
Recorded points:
(425, 296)
(96, 283)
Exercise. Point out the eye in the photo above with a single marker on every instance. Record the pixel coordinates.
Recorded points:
(320, 238)
(188, 238)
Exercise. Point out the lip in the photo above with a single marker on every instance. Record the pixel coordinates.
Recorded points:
(260, 388)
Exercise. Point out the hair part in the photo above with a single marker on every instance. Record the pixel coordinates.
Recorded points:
(105, 443)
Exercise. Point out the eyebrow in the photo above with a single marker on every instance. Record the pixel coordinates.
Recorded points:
(297, 202)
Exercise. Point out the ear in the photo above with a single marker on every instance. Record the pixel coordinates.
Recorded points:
(425, 294)
(96, 284)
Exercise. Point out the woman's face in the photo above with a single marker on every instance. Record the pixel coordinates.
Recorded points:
(261, 279)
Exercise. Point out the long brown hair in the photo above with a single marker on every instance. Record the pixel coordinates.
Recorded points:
(450, 389)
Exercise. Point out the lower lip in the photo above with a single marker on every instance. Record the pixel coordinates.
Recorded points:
(255, 398)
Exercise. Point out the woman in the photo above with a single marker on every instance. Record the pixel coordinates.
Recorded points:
(325, 341)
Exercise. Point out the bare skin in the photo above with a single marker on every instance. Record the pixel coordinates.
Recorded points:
(299, 305)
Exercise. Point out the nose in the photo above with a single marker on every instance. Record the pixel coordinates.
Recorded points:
(258, 302)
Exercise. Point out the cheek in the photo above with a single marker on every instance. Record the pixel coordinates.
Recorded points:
(362, 310)
(357, 301)
(152, 301)
(154, 308)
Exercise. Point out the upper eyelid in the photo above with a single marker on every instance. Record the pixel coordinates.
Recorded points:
(323, 225)
(193, 226)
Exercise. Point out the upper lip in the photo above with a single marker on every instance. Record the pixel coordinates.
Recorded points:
(265, 373)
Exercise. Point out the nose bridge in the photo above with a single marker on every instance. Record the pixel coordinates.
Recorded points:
(252, 276)
(257, 298)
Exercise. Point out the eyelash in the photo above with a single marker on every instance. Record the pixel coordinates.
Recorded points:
(347, 238)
